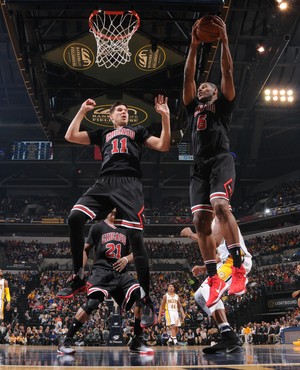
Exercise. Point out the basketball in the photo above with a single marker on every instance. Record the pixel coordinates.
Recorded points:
(206, 31)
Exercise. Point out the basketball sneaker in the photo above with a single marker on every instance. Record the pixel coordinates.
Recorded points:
(170, 342)
(239, 281)
(137, 346)
(65, 346)
(75, 285)
(217, 288)
(229, 343)
(148, 317)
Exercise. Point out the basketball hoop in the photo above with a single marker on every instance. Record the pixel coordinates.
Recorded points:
(113, 31)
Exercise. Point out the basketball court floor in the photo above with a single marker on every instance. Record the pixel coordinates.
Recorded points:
(190, 357)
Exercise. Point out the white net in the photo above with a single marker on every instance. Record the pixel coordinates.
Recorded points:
(113, 31)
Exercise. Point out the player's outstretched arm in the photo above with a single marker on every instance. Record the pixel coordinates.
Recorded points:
(189, 83)
(162, 143)
(73, 134)
(227, 84)
(199, 270)
(187, 232)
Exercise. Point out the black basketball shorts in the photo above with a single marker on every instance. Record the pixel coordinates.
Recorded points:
(211, 179)
(123, 193)
(120, 286)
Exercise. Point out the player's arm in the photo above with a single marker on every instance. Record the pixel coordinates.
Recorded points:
(162, 143)
(123, 262)
(189, 83)
(187, 232)
(85, 256)
(180, 308)
(7, 295)
(227, 84)
(161, 309)
(91, 241)
(73, 134)
(199, 270)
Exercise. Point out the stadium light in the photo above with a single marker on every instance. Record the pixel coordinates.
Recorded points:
(283, 5)
(279, 96)
(260, 49)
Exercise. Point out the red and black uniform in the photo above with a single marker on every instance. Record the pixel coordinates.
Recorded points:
(119, 185)
(110, 244)
(213, 171)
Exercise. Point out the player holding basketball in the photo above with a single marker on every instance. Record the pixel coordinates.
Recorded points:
(213, 171)
(108, 277)
(119, 186)
(230, 342)
(170, 306)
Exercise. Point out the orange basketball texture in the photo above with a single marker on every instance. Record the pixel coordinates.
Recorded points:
(206, 31)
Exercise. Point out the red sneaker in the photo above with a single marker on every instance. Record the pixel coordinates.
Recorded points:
(217, 288)
(239, 281)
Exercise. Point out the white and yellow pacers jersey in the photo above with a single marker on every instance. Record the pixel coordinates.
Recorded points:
(171, 310)
(224, 267)
(2, 281)
(224, 253)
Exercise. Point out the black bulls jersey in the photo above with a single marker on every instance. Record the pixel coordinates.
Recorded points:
(210, 126)
(110, 244)
(121, 149)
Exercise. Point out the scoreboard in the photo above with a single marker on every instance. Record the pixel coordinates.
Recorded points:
(31, 151)
(184, 152)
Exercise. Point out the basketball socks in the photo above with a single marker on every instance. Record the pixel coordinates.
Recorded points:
(73, 329)
(141, 262)
(224, 327)
(138, 331)
(235, 252)
(211, 267)
(174, 339)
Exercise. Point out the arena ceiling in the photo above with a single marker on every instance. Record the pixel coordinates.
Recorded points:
(40, 91)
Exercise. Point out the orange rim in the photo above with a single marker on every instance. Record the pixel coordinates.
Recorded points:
(108, 12)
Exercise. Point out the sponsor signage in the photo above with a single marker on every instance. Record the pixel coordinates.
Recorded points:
(140, 113)
(281, 303)
(80, 54)
(115, 335)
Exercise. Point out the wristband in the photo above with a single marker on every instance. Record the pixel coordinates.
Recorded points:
(126, 259)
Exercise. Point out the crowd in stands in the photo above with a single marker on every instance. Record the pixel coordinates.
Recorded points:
(18, 206)
(45, 318)
(265, 249)
(18, 251)
(273, 244)
(272, 199)
(170, 210)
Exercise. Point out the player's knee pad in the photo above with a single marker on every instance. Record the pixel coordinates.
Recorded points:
(91, 305)
(199, 298)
